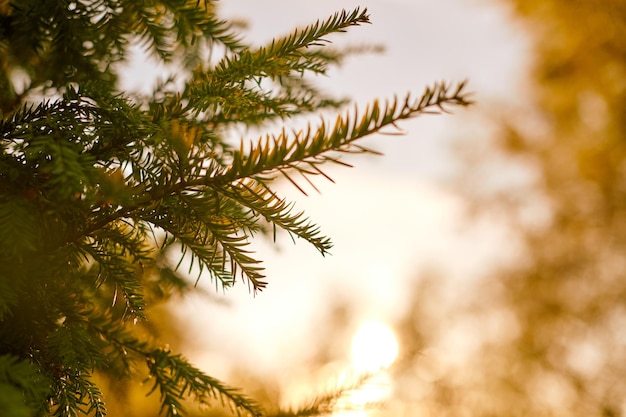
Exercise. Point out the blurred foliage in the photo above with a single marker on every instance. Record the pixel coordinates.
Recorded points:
(545, 335)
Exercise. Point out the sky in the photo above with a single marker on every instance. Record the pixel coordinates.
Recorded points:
(391, 217)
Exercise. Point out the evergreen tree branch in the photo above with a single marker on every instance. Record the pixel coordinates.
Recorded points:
(175, 378)
(303, 153)
(276, 211)
(116, 266)
(325, 403)
(275, 153)
(219, 249)
(97, 188)
(188, 24)
(285, 55)
(76, 394)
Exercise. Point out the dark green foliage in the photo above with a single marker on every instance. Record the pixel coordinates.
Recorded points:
(20, 379)
(98, 188)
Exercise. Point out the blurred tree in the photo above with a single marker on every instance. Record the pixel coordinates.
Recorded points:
(105, 193)
(552, 326)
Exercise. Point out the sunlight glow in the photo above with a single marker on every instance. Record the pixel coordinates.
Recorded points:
(374, 347)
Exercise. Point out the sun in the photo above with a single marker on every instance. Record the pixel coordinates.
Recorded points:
(374, 347)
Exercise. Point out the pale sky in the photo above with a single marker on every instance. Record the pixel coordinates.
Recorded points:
(389, 217)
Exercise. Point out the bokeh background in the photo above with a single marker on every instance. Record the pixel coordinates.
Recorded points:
(478, 266)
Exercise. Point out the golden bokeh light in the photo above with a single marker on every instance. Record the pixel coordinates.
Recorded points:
(374, 347)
